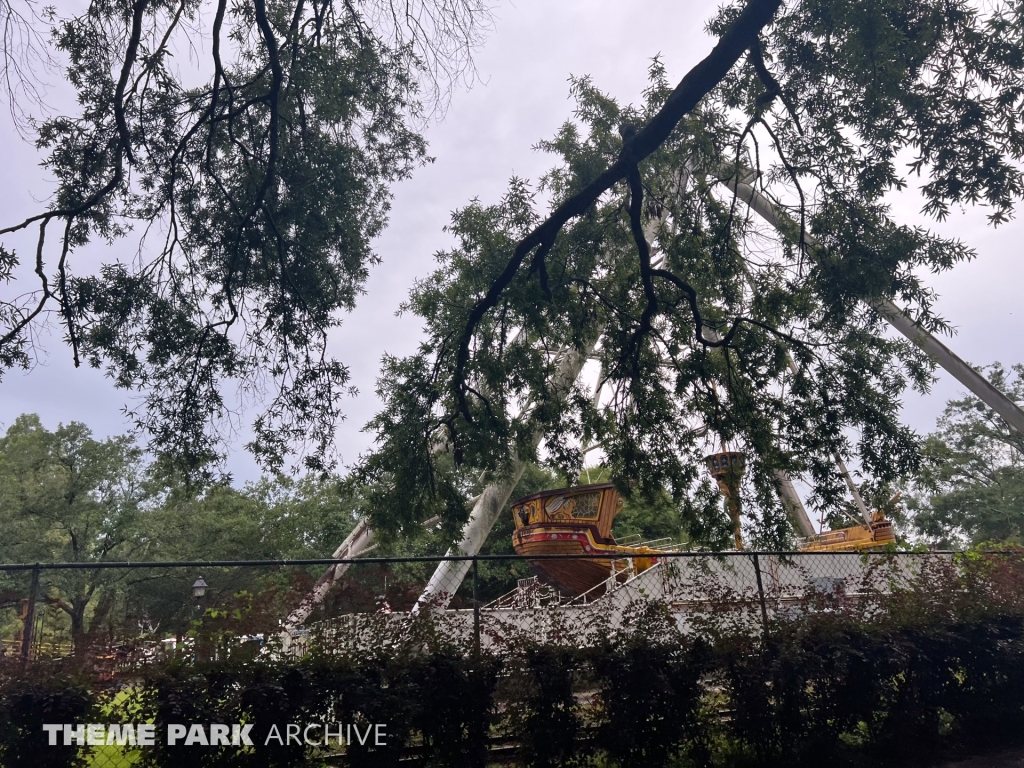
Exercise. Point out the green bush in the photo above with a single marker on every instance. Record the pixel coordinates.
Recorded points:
(930, 667)
(28, 700)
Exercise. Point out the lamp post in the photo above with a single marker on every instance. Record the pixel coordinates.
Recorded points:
(199, 593)
(199, 590)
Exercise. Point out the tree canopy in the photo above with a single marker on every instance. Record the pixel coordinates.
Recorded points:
(713, 327)
(971, 487)
(256, 180)
(66, 497)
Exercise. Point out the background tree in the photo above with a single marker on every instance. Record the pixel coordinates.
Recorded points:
(257, 179)
(971, 487)
(275, 518)
(67, 498)
(699, 308)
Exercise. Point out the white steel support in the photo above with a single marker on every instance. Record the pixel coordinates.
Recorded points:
(792, 504)
(857, 500)
(896, 317)
(961, 371)
(357, 543)
(450, 573)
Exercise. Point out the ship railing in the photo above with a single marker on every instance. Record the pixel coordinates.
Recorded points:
(658, 543)
(529, 593)
(628, 541)
(620, 567)
(830, 537)
(592, 594)
(664, 544)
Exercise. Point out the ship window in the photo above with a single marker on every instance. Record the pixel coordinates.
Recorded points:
(586, 506)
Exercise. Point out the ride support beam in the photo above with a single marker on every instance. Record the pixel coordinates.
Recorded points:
(896, 317)
(357, 543)
(792, 504)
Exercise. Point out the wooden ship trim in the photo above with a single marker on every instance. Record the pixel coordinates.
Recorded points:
(578, 521)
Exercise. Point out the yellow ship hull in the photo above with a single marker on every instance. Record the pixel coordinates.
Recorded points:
(853, 539)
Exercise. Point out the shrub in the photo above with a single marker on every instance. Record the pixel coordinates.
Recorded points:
(30, 698)
(932, 664)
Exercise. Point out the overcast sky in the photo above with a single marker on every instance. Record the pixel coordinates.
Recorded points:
(485, 139)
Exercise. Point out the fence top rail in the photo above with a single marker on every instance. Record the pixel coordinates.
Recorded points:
(90, 565)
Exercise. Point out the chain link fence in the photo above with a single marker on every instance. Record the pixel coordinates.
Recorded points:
(120, 614)
(703, 593)
(115, 621)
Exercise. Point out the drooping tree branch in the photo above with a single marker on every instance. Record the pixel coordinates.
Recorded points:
(648, 273)
(271, 180)
(25, 59)
(273, 97)
(636, 225)
(772, 88)
(696, 84)
(138, 12)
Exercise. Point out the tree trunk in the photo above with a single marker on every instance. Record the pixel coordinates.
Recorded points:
(79, 642)
(99, 617)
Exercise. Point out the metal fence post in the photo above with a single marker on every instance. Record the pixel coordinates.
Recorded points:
(476, 609)
(30, 616)
(760, 593)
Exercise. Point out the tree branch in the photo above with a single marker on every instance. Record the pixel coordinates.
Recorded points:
(696, 84)
(771, 86)
(138, 11)
(636, 225)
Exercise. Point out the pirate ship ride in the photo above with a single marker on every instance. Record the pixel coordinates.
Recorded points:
(875, 530)
(578, 521)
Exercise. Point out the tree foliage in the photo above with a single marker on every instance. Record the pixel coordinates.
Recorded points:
(714, 328)
(257, 180)
(66, 497)
(971, 487)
